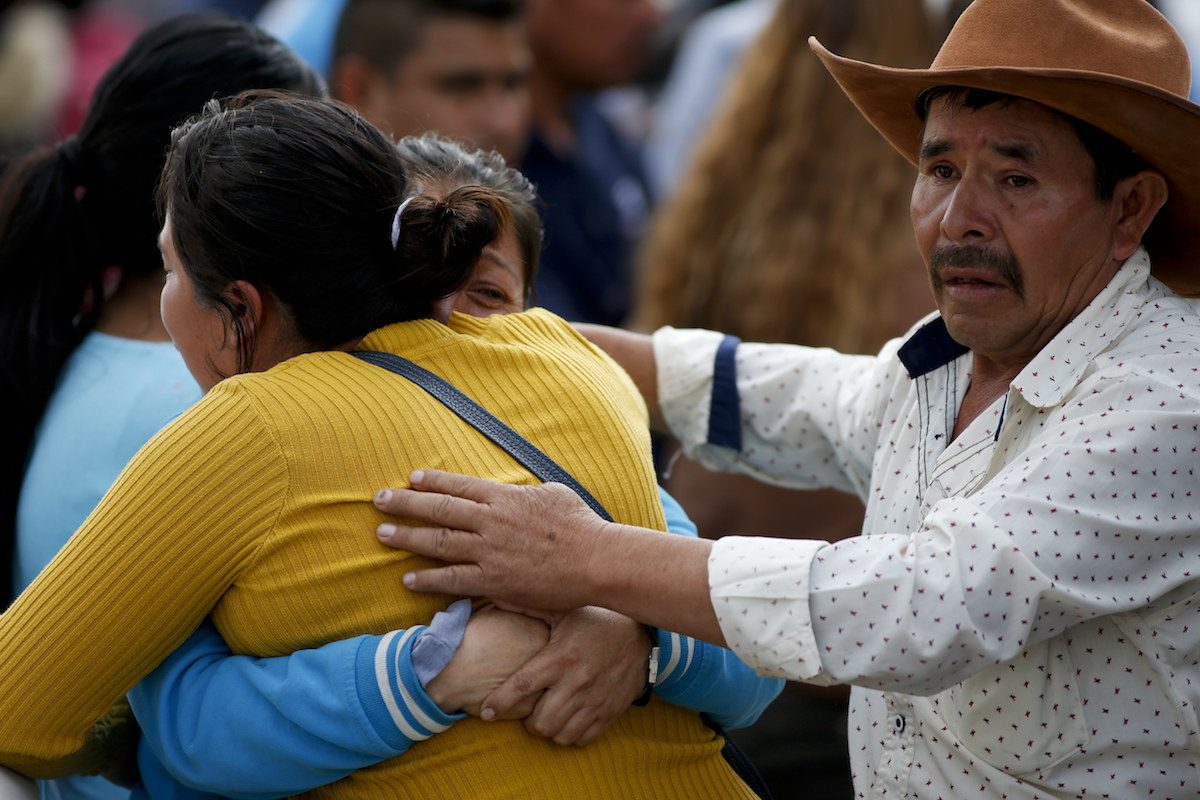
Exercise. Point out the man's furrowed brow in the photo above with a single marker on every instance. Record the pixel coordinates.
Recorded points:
(1016, 151)
(933, 149)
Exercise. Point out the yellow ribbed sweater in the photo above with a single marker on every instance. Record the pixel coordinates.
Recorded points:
(255, 507)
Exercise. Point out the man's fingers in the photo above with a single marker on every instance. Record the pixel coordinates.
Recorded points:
(463, 580)
(444, 544)
(522, 709)
(526, 682)
(429, 507)
(552, 713)
(593, 733)
(581, 729)
(457, 484)
(428, 485)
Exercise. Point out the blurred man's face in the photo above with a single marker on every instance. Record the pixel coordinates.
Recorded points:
(592, 44)
(467, 80)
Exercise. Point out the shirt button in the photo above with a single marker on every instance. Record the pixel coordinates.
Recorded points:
(898, 723)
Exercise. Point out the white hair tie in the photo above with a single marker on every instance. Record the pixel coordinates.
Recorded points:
(396, 221)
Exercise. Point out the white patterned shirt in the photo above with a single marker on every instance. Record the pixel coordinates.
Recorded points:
(1020, 618)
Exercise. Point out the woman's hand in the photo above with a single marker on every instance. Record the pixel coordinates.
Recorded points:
(496, 644)
(589, 673)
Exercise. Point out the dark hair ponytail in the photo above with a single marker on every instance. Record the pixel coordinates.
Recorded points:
(50, 299)
(47, 248)
(69, 213)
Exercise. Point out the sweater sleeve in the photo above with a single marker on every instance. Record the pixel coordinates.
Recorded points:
(324, 712)
(140, 575)
(702, 676)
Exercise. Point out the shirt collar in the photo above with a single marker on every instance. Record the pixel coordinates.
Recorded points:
(1060, 363)
(929, 348)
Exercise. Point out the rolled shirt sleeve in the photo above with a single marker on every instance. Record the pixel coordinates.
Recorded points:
(759, 589)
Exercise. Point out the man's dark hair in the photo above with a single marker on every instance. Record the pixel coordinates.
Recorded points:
(384, 32)
(1112, 158)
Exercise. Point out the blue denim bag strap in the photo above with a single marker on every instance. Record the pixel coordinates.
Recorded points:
(482, 420)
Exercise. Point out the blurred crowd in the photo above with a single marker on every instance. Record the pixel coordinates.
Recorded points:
(680, 152)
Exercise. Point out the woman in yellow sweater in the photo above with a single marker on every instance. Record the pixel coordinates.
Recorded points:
(285, 245)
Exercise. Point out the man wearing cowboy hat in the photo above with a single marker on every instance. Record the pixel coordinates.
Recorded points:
(1019, 617)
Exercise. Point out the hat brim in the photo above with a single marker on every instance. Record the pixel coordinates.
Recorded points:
(1163, 128)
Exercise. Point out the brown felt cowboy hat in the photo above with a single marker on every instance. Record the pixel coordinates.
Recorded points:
(1116, 64)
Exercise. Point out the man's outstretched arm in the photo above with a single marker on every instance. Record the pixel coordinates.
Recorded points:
(542, 547)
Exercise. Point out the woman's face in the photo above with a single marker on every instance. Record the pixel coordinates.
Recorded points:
(198, 331)
(498, 284)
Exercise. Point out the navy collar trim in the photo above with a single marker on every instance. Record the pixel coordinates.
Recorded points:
(929, 348)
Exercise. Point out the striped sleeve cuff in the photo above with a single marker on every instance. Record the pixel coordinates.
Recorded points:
(395, 703)
(677, 657)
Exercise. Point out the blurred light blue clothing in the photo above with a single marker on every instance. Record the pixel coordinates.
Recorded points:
(306, 26)
(112, 396)
(1185, 16)
(80, 787)
(708, 53)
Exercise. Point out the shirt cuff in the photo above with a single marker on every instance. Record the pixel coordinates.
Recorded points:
(685, 360)
(759, 589)
(435, 646)
(393, 698)
(676, 654)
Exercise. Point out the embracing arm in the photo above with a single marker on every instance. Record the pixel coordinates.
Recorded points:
(327, 711)
(128, 588)
(204, 711)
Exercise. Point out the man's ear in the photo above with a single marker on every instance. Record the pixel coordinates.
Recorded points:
(1137, 198)
(352, 80)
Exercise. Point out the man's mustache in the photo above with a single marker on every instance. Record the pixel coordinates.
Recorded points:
(1001, 265)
